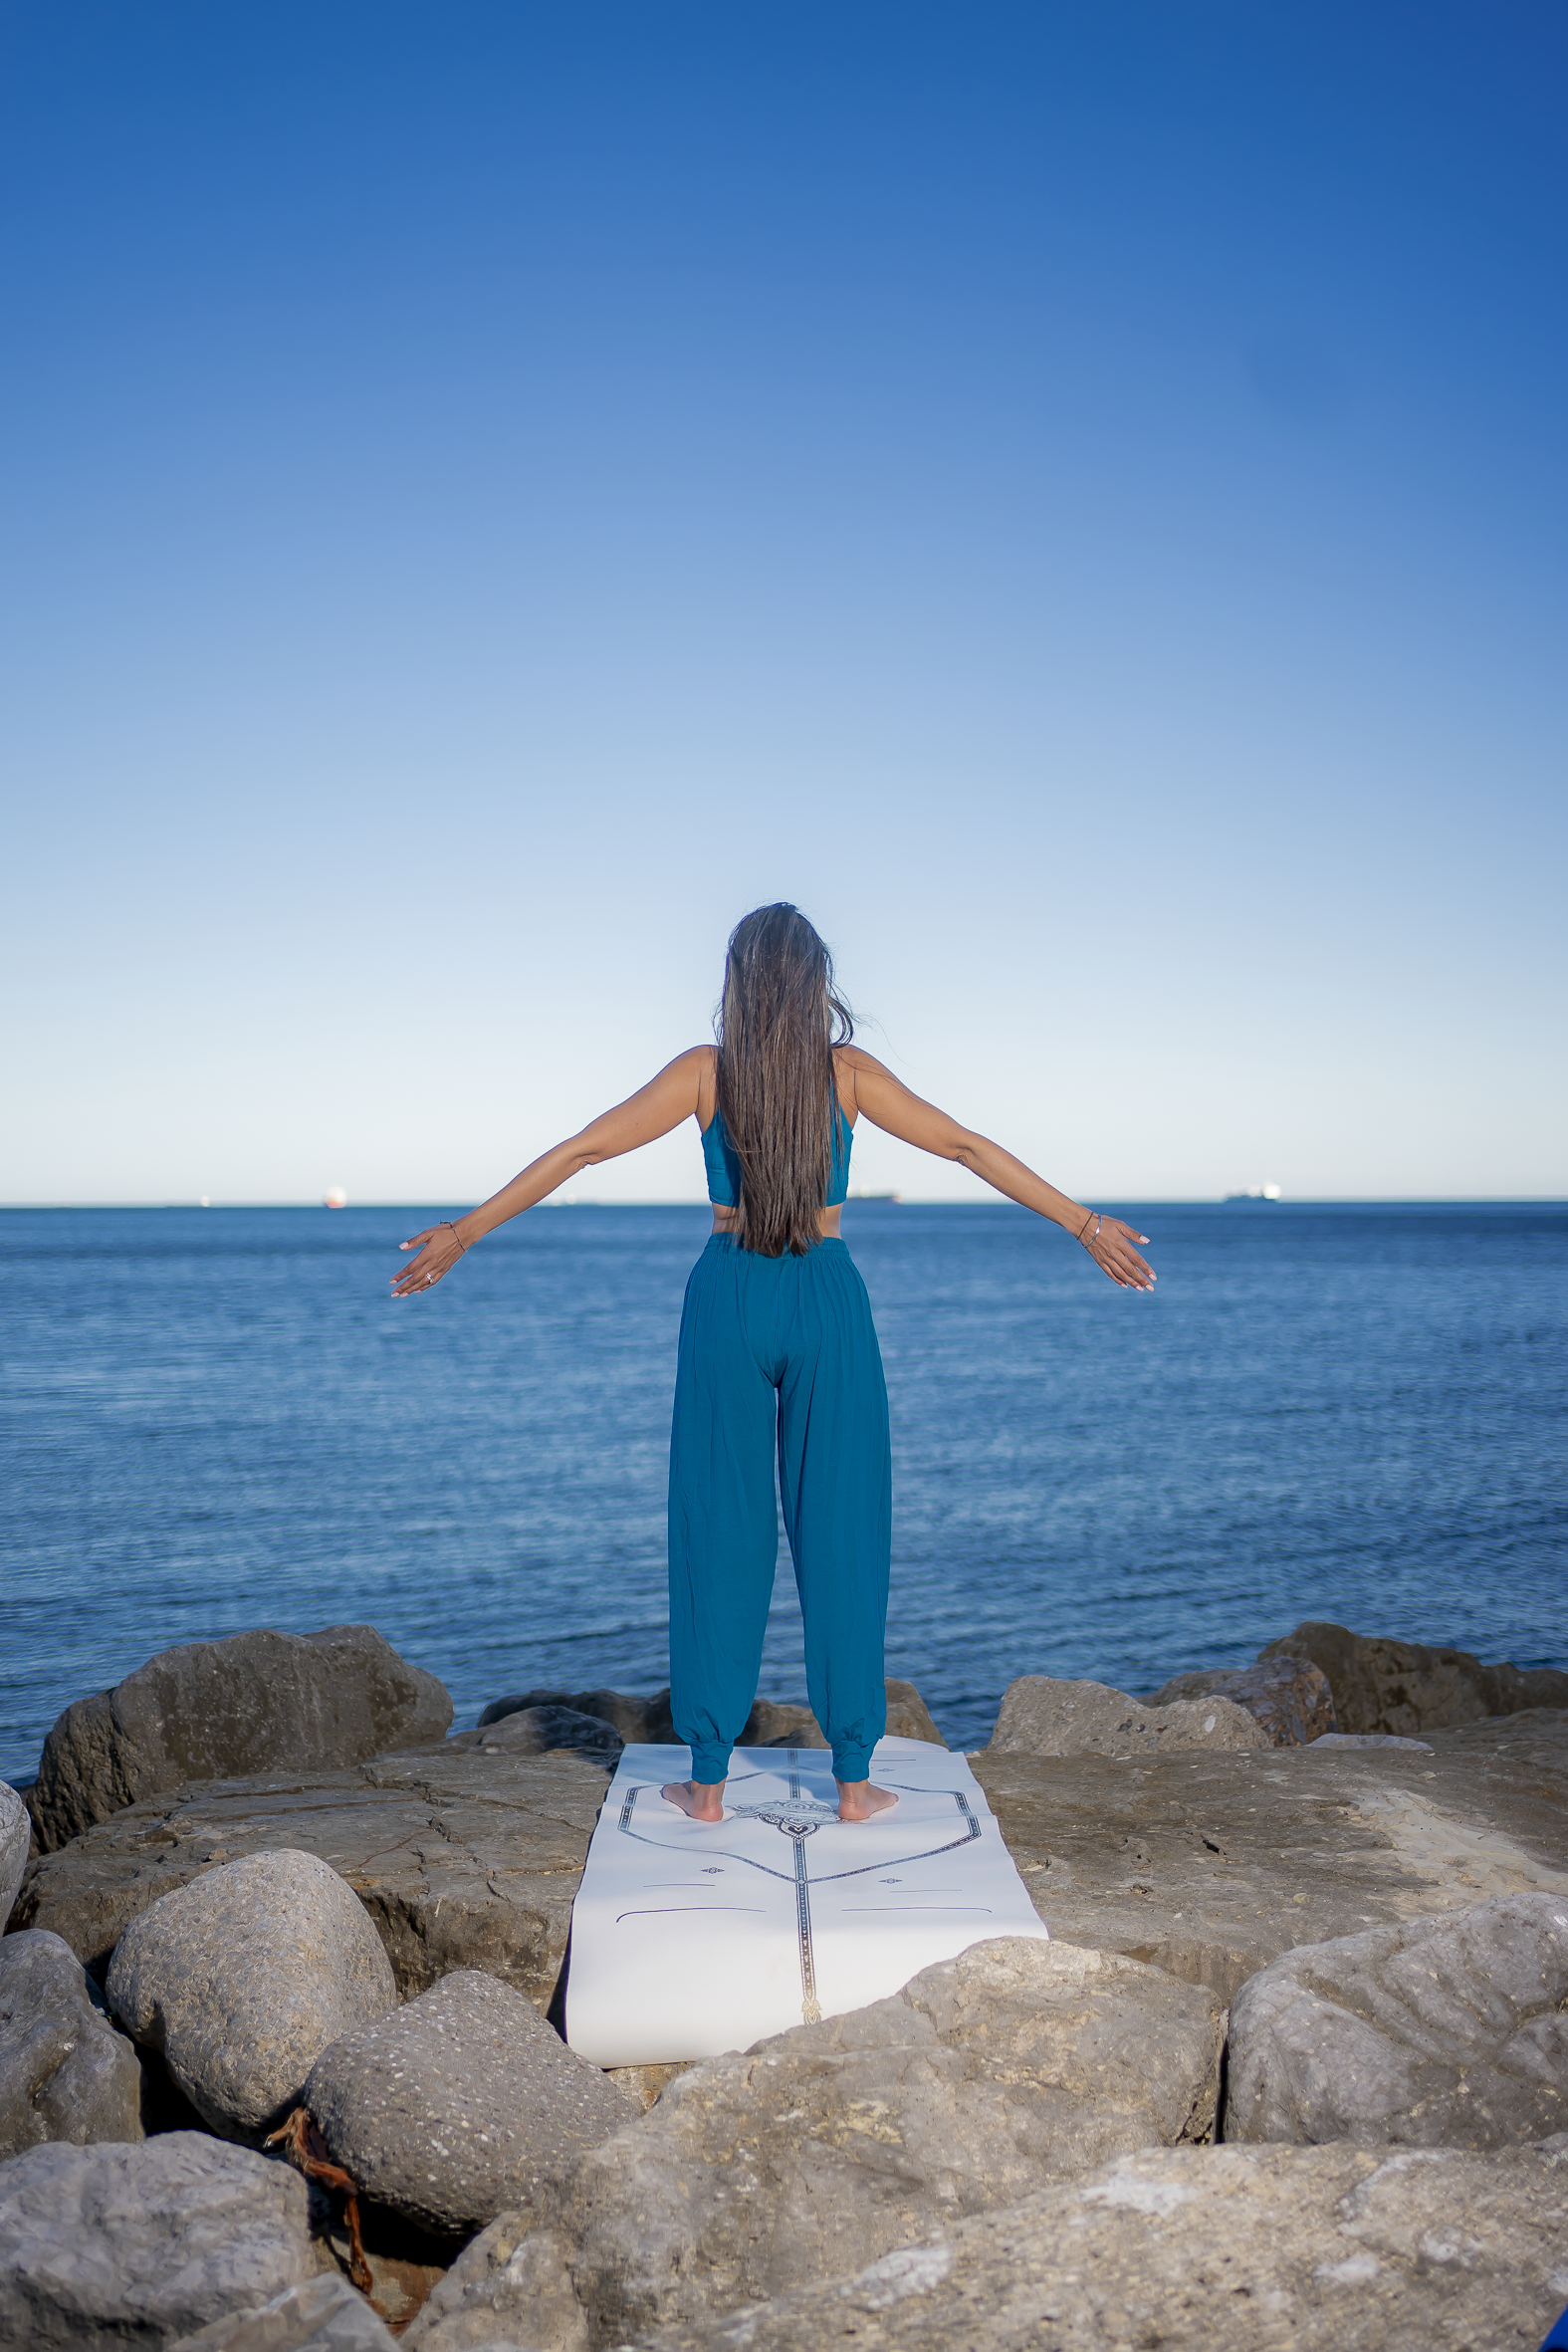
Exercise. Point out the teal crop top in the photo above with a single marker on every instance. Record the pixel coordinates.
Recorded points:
(724, 1168)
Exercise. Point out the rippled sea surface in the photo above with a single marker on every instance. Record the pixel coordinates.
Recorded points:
(217, 1419)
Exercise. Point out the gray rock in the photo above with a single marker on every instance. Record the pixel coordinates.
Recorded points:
(1446, 2033)
(1222, 2249)
(211, 1710)
(115, 2245)
(1044, 1717)
(65, 2073)
(1332, 1739)
(242, 1978)
(1290, 1697)
(1408, 1686)
(1016, 2063)
(544, 1730)
(461, 1860)
(16, 1835)
(510, 2285)
(456, 2107)
(632, 1718)
(324, 2315)
(773, 1723)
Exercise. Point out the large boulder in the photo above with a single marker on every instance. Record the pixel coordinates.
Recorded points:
(16, 1835)
(1209, 2250)
(544, 1729)
(65, 2073)
(1020, 2062)
(1408, 1686)
(456, 2107)
(1044, 1717)
(1445, 2033)
(112, 2245)
(243, 1977)
(510, 2285)
(461, 1860)
(326, 2314)
(1290, 1697)
(211, 1710)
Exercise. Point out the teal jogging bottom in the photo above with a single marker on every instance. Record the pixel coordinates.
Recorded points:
(777, 1350)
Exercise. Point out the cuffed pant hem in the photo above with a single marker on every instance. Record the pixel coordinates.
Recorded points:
(710, 1766)
(853, 1764)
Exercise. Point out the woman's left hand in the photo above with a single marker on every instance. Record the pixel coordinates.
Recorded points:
(1110, 1244)
(439, 1250)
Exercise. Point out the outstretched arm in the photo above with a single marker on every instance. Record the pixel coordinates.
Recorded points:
(652, 1111)
(889, 1104)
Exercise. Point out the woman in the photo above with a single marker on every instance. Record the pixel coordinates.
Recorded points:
(777, 1345)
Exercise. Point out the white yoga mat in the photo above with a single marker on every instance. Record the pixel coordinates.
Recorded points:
(688, 1940)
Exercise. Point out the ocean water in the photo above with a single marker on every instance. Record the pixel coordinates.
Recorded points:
(216, 1419)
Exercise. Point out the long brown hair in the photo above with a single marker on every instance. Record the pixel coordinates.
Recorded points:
(777, 1027)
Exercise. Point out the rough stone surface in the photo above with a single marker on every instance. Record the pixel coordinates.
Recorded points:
(544, 1730)
(115, 2245)
(1290, 1697)
(1044, 1717)
(1223, 2250)
(65, 2073)
(773, 1723)
(324, 2315)
(241, 1981)
(462, 1860)
(16, 1835)
(1016, 2063)
(1444, 2032)
(635, 1718)
(510, 2285)
(456, 2107)
(212, 1710)
(1405, 1686)
(1370, 1739)
(1212, 1865)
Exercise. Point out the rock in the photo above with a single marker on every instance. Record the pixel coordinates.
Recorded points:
(1212, 1865)
(456, 2107)
(65, 2073)
(242, 1979)
(16, 1835)
(325, 2315)
(1290, 1697)
(211, 1710)
(1404, 1686)
(114, 2246)
(1370, 1739)
(1445, 2033)
(510, 2285)
(1210, 2250)
(1044, 1717)
(773, 1723)
(545, 1731)
(1016, 2063)
(461, 1860)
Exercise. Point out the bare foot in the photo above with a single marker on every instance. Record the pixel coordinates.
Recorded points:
(859, 1799)
(700, 1800)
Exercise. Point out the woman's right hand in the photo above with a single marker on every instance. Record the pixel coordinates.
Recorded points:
(439, 1250)
(1110, 1244)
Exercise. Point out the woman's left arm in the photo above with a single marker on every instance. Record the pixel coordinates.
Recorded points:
(888, 1104)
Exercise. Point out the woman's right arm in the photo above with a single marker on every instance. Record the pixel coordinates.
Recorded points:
(654, 1111)
(888, 1104)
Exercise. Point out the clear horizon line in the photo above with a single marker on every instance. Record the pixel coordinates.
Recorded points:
(1174, 1200)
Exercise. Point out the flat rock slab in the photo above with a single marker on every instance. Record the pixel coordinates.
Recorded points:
(210, 1708)
(65, 2073)
(462, 1860)
(1018, 2062)
(112, 2246)
(459, 2105)
(1212, 1865)
(1225, 2250)
(328, 2315)
(242, 1977)
(1441, 2032)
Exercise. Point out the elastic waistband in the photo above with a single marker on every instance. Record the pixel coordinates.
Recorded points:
(829, 1241)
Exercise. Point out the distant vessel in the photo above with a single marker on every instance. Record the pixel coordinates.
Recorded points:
(1253, 1192)
(336, 1197)
(854, 1195)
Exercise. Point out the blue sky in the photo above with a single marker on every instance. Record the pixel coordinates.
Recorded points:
(1073, 496)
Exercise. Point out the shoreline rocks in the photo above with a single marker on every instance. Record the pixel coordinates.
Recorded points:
(1044, 1717)
(1290, 1697)
(216, 1710)
(1409, 1688)
(16, 1836)
(65, 2073)
(243, 1977)
(773, 1723)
